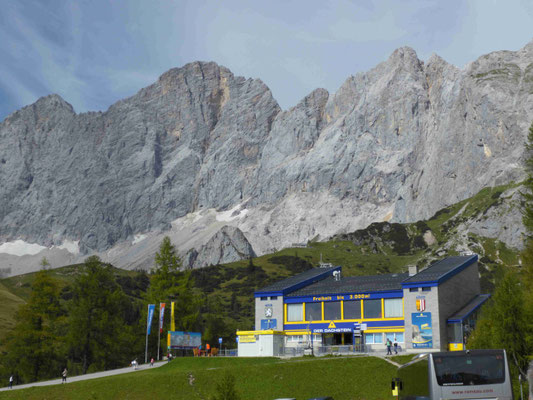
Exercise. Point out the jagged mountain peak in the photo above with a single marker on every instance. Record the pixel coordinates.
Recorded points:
(395, 143)
(528, 48)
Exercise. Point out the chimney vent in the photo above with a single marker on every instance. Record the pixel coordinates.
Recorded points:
(413, 270)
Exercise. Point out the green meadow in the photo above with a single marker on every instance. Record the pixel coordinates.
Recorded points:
(255, 378)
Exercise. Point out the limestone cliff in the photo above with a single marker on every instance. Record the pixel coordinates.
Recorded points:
(396, 143)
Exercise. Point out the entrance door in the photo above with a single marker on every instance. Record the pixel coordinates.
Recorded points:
(358, 342)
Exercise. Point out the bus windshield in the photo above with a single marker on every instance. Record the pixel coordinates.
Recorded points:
(469, 369)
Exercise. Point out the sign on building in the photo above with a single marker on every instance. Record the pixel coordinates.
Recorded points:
(422, 330)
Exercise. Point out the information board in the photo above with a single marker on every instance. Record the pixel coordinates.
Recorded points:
(184, 340)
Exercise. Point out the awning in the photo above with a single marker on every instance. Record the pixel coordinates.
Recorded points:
(472, 306)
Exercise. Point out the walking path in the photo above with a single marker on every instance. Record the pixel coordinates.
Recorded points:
(88, 376)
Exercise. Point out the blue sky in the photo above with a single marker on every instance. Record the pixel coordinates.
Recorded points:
(94, 53)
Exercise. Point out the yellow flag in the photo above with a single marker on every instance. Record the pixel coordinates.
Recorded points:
(172, 324)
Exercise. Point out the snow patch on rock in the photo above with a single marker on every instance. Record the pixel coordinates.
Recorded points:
(138, 238)
(21, 248)
(71, 246)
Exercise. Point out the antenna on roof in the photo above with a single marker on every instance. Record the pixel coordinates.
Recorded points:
(322, 264)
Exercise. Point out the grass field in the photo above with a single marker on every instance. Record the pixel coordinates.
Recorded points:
(10, 303)
(255, 378)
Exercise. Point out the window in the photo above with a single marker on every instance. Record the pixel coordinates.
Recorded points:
(332, 310)
(398, 336)
(313, 311)
(413, 289)
(294, 312)
(372, 308)
(373, 338)
(317, 338)
(426, 289)
(295, 338)
(352, 309)
(393, 308)
(264, 298)
(273, 297)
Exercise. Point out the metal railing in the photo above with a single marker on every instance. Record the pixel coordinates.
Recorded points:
(294, 351)
(228, 353)
(340, 350)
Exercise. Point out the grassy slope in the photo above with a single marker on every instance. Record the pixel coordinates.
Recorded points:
(16, 290)
(20, 285)
(10, 303)
(263, 378)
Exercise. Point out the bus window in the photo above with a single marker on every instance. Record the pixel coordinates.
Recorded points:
(479, 369)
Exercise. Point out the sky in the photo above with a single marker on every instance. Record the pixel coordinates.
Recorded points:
(94, 53)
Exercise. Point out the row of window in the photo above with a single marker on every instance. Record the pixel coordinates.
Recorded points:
(380, 338)
(370, 338)
(271, 298)
(424, 289)
(352, 309)
(317, 338)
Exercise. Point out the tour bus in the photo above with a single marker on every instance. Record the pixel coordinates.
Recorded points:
(470, 374)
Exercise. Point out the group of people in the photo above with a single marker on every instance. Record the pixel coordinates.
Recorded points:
(390, 345)
(207, 351)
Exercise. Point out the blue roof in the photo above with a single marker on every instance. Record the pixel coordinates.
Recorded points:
(374, 283)
(297, 281)
(440, 271)
(467, 310)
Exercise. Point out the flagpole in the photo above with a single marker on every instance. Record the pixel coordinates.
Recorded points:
(146, 348)
(158, 341)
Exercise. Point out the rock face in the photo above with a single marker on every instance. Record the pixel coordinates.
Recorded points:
(227, 245)
(396, 143)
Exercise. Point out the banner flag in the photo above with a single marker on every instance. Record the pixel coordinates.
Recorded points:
(151, 308)
(172, 324)
(161, 315)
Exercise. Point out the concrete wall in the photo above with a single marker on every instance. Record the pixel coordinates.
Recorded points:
(270, 345)
(454, 294)
(409, 299)
(442, 302)
(277, 309)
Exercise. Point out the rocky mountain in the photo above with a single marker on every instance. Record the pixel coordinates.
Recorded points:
(201, 149)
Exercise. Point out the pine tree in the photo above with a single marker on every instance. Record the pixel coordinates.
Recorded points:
(505, 324)
(98, 336)
(168, 283)
(34, 347)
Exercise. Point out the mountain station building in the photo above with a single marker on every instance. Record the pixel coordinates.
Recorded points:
(431, 310)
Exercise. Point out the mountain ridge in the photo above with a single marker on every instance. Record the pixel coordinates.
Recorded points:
(201, 139)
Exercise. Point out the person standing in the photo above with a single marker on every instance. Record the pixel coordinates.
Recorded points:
(395, 346)
(152, 362)
(389, 345)
(64, 376)
(11, 382)
(207, 349)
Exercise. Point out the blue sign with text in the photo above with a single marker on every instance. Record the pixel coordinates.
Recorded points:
(268, 324)
(422, 330)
